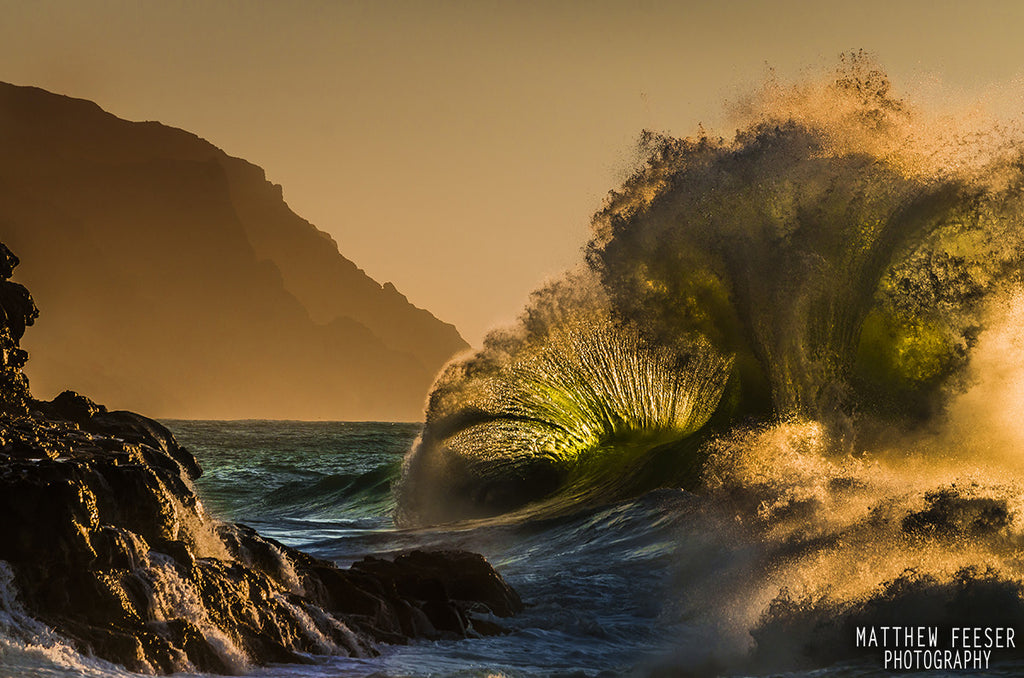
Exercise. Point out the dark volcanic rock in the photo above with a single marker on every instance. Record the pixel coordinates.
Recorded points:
(445, 575)
(104, 540)
(429, 594)
(110, 546)
(17, 311)
(953, 512)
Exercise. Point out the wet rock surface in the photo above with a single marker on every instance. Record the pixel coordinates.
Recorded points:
(17, 311)
(105, 541)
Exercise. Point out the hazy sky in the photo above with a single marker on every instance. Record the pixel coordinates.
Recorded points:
(458, 149)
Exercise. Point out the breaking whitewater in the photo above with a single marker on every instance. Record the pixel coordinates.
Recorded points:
(773, 422)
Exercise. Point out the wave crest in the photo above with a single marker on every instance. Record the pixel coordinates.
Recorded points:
(591, 396)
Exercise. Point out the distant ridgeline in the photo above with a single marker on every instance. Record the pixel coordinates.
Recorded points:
(177, 281)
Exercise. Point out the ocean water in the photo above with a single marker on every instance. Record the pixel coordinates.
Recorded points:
(669, 583)
(326, 488)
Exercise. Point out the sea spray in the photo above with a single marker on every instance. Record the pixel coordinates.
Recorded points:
(918, 525)
(568, 411)
(26, 644)
(811, 542)
(839, 254)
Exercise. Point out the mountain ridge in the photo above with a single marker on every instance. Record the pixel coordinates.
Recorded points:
(230, 297)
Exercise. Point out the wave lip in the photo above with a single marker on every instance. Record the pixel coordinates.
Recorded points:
(834, 261)
(567, 417)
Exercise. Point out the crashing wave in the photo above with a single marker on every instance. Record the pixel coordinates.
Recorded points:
(834, 261)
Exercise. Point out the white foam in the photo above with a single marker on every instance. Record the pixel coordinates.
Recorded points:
(176, 598)
(30, 648)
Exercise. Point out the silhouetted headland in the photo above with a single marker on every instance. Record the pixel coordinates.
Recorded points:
(178, 282)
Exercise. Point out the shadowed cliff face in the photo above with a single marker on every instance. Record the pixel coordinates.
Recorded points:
(104, 541)
(177, 281)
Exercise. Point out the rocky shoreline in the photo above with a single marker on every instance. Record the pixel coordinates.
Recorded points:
(105, 541)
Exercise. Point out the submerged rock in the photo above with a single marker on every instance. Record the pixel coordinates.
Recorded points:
(105, 541)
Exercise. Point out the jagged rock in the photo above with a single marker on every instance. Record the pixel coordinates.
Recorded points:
(417, 594)
(445, 576)
(70, 406)
(17, 311)
(109, 545)
(954, 512)
(129, 426)
(8, 262)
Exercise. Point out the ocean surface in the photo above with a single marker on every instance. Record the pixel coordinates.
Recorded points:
(666, 584)
(592, 582)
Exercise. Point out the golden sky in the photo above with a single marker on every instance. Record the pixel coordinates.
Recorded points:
(458, 149)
